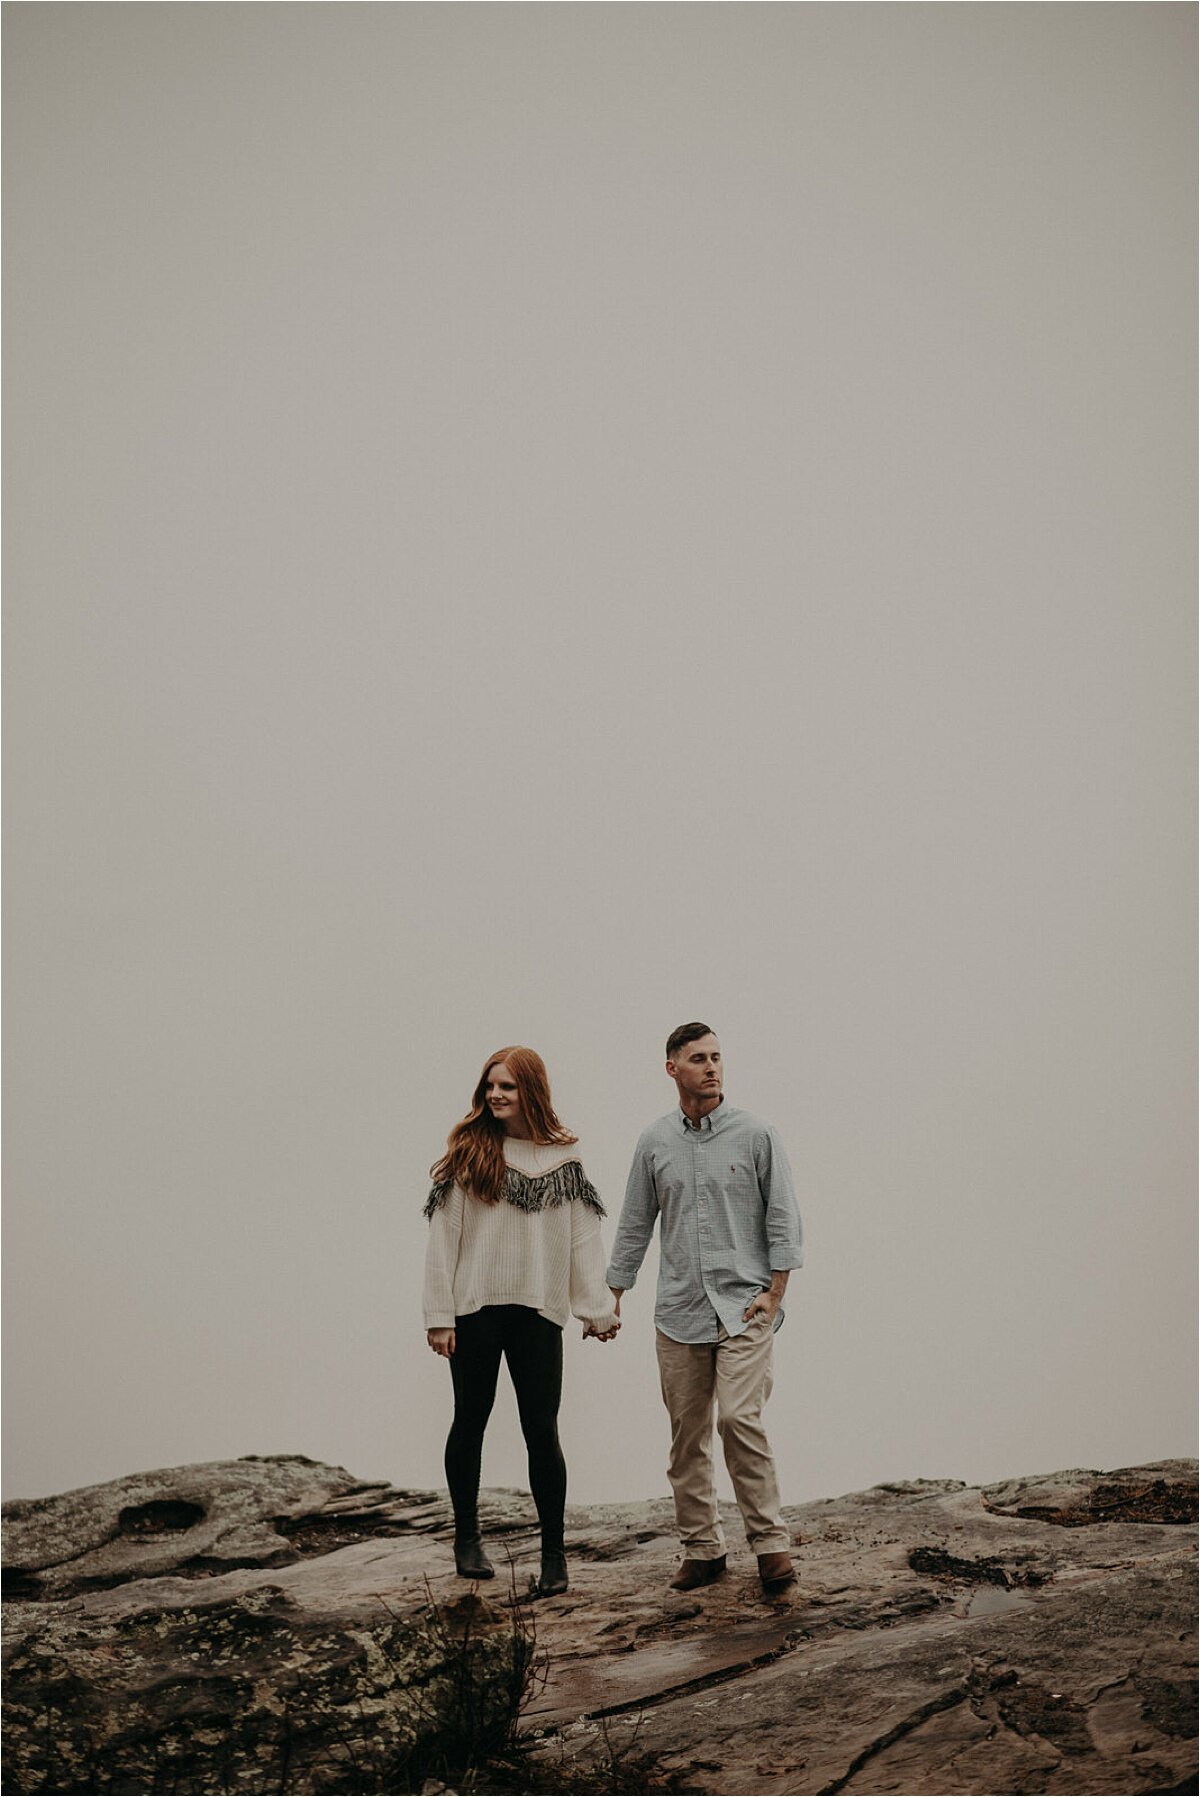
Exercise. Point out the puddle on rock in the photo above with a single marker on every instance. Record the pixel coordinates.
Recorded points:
(992, 1600)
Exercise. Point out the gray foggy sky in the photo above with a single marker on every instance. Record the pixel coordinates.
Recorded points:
(534, 523)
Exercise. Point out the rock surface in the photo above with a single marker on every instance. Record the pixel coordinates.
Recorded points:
(1038, 1635)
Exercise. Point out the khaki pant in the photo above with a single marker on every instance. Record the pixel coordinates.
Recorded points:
(735, 1372)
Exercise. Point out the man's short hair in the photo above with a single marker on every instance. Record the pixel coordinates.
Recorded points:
(687, 1032)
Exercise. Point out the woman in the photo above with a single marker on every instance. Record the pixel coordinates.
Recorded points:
(514, 1243)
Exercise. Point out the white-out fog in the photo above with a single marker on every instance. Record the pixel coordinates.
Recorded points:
(537, 523)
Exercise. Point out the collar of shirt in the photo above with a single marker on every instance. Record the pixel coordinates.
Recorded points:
(712, 1120)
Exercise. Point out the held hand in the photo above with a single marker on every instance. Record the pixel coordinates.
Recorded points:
(767, 1301)
(605, 1335)
(441, 1341)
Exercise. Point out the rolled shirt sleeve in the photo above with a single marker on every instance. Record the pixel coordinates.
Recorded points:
(785, 1231)
(639, 1214)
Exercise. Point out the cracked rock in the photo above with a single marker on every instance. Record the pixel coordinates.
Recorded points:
(1034, 1635)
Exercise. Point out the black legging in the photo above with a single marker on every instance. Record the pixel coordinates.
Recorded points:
(533, 1348)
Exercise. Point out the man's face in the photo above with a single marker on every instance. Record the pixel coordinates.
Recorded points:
(697, 1068)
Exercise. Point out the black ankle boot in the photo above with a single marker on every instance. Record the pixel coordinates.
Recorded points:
(470, 1561)
(554, 1572)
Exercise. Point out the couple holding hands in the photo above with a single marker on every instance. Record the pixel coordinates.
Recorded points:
(514, 1246)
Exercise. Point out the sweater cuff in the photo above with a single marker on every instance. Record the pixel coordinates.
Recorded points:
(439, 1321)
(601, 1325)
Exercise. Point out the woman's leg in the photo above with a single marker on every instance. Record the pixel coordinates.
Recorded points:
(474, 1368)
(533, 1347)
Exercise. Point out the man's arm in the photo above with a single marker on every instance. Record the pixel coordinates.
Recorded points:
(639, 1213)
(785, 1232)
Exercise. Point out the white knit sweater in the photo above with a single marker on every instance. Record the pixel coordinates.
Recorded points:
(539, 1246)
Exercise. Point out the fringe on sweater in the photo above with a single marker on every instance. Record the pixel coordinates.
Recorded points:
(533, 1191)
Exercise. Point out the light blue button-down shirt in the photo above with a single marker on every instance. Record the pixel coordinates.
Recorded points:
(725, 1197)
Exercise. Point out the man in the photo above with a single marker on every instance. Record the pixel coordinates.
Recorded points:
(719, 1181)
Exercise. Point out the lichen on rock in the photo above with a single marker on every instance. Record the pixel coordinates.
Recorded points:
(251, 1694)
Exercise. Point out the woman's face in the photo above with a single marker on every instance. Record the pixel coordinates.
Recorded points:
(500, 1096)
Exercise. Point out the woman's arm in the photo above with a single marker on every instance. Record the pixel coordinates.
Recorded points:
(591, 1300)
(441, 1259)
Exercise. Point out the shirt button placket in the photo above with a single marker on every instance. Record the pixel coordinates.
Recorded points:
(702, 1211)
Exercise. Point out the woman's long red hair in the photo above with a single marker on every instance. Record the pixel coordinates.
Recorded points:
(474, 1157)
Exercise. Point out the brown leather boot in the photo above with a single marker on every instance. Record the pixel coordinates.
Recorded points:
(694, 1573)
(776, 1572)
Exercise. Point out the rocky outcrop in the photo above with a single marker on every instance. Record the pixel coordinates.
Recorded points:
(155, 1642)
(270, 1625)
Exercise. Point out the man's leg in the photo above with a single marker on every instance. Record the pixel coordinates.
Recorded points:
(687, 1372)
(743, 1385)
